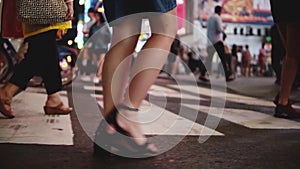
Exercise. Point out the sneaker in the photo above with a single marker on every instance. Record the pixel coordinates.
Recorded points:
(286, 111)
(86, 78)
(96, 80)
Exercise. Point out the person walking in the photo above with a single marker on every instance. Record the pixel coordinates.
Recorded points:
(215, 32)
(99, 45)
(262, 60)
(85, 62)
(246, 61)
(234, 57)
(41, 58)
(288, 24)
(121, 106)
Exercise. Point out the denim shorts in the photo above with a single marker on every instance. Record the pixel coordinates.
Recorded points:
(115, 9)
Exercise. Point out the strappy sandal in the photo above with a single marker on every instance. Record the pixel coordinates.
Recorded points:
(276, 100)
(119, 141)
(57, 110)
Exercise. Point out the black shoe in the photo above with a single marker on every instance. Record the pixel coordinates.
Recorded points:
(229, 79)
(276, 100)
(286, 111)
(203, 78)
(120, 141)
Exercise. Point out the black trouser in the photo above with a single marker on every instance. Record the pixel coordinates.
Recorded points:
(194, 64)
(219, 47)
(41, 59)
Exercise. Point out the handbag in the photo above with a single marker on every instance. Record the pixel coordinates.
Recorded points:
(41, 11)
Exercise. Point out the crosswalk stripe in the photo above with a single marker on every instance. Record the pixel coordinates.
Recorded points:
(156, 120)
(31, 125)
(247, 118)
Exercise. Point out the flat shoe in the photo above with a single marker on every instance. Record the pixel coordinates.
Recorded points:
(58, 110)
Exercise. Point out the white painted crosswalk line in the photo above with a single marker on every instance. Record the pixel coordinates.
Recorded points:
(92, 88)
(247, 118)
(31, 126)
(228, 96)
(159, 121)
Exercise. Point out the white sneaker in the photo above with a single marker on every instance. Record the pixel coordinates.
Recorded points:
(86, 78)
(96, 80)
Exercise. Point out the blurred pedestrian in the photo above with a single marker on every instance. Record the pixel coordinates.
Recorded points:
(215, 31)
(41, 58)
(234, 59)
(98, 45)
(87, 26)
(228, 54)
(262, 60)
(246, 61)
(121, 111)
(288, 24)
(85, 62)
(174, 51)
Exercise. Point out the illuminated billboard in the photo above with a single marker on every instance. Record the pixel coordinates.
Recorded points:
(239, 11)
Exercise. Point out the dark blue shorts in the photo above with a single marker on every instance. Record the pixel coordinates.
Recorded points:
(115, 9)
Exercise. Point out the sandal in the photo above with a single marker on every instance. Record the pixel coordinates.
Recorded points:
(286, 111)
(276, 100)
(119, 141)
(58, 110)
(5, 107)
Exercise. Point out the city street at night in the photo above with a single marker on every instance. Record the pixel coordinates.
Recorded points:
(248, 136)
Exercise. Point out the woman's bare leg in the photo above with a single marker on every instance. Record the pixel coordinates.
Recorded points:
(291, 37)
(124, 40)
(145, 70)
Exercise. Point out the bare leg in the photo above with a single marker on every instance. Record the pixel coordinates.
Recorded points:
(124, 39)
(291, 37)
(146, 69)
(100, 65)
(6, 94)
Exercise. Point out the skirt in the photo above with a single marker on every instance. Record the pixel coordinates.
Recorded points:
(115, 9)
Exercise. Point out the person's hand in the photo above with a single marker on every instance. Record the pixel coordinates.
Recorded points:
(70, 11)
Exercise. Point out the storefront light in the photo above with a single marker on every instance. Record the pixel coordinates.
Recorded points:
(180, 2)
(81, 2)
(70, 42)
(101, 9)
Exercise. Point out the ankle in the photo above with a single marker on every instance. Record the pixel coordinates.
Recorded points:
(10, 90)
(53, 99)
(283, 102)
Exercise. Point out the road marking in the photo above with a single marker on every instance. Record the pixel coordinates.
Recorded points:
(247, 118)
(32, 126)
(158, 121)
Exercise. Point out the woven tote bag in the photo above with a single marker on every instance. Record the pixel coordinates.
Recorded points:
(41, 11)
